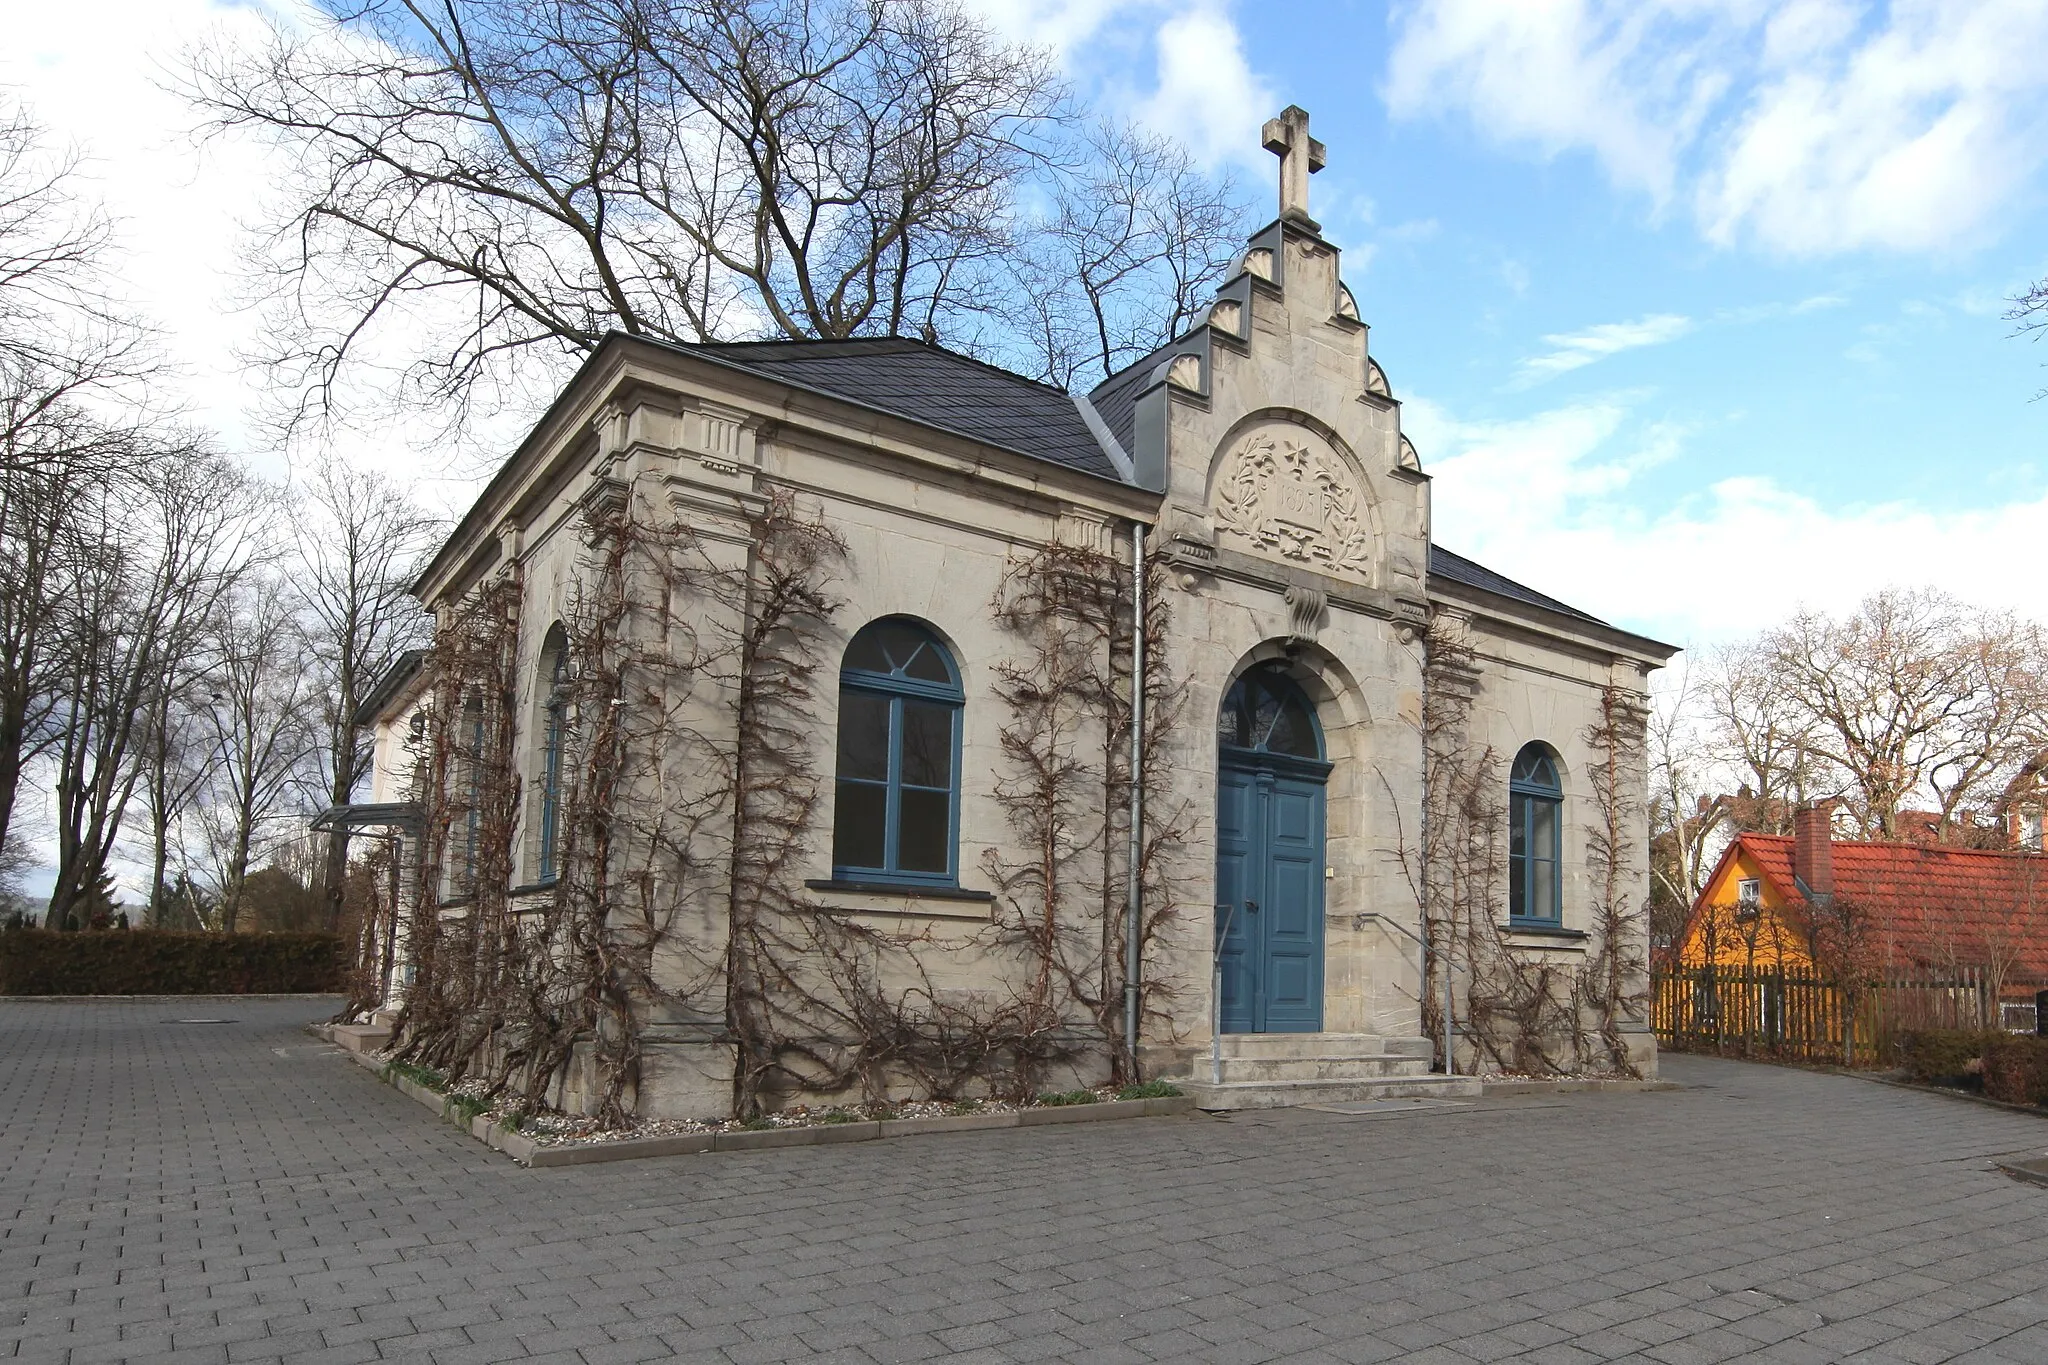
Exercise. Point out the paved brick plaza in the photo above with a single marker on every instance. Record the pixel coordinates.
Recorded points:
(235, 1191)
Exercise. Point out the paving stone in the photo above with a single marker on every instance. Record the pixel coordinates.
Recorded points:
(241, 1192)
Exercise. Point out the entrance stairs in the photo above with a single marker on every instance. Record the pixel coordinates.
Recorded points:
(1277, 1070)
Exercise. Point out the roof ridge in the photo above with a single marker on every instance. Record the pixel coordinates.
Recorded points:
(916, 343)
(1905, 845)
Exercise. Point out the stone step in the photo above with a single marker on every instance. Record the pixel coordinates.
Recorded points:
(1258, 1045)
(1331, 1067)
(364, 1038)
(1286, 1094)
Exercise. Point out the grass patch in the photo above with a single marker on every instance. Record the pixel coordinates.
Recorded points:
(418, 1075)
(1150, 1090)
(1054, 1098)
(838, 1116)
(468, 1106)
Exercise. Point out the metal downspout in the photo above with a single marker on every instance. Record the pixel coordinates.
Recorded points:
(1134, 874)
(1443, 954)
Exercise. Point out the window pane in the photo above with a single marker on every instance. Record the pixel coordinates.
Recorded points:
(1265, 711)
(1542, 828)
(1533, 768)
(1233, 725)
(1518, 888)
(1518, 825)
(1293, 732)
(1542, 889)
(898, 641)
(928, 665)
(863, 735)
(925, 831)
(866, 653)
(859, 817)
(927, 744)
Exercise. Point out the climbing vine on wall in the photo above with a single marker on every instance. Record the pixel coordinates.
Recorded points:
(1516, 1010)
(1512, 1010)
(1611, 987)
(461, 935)
(687, 805)
(1065, 792)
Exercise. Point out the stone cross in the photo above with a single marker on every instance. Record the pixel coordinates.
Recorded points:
(1300, 157)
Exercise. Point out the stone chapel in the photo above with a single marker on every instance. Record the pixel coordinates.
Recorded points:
(825, 719)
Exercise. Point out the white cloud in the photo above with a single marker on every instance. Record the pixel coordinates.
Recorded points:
(1554, 500)
(1203, 91)
(1557, 76)
(1575, 350)
(1809, 127)
(1208, 96)
(179, 207)
(97, 83)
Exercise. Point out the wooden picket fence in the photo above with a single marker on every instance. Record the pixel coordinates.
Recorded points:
(1795, 1015)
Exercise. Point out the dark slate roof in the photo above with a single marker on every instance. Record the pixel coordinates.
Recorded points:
(1116, 398)
(940, 388)
(1457, 568)
(931, 386)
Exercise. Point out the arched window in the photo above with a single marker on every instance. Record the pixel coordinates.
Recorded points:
(897, 806)
(1535, 838)
(1266, 711)
(554, 666)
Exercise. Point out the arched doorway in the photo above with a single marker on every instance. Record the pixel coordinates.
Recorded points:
(1271, 776)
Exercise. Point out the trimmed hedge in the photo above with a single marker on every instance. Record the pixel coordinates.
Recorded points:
(167, 962)
(2016, 1069)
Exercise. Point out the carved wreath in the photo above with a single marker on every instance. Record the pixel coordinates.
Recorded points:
(1284, 500)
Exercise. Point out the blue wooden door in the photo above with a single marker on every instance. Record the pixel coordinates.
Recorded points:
(1269, 893)
(1237, 886)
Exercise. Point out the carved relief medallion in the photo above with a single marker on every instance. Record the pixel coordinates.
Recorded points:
(1283, 492)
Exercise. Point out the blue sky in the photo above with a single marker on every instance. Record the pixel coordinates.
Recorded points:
(1694, 305)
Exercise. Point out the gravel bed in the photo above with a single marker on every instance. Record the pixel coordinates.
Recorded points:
(551, 1129)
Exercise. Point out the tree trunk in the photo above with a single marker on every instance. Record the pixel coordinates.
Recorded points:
(336, 875)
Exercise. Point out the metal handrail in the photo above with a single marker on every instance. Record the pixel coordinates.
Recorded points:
(1229, 913)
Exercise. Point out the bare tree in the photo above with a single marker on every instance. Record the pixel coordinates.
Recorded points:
(35, 507)
(358, 548)
(1684, 816)
(62, 340)
(1761, 737)
(485, 188)
(152, 562)
(263, 710)
(15, 861)
(176, 755)
(1123, 265)
(2030, 310)
(1913, 694)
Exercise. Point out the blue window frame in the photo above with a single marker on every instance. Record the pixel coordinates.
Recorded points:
(1535, 838)
(552, 736)
(896, 814)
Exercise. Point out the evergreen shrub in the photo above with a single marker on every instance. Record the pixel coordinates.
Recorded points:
(169, 962)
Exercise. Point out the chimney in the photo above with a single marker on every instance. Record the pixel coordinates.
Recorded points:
(1813, 852)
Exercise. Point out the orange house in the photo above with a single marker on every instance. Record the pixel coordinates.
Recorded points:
(1918, 907)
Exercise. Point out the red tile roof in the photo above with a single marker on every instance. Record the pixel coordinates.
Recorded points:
(1934, 906)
